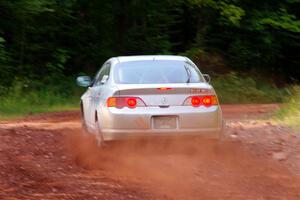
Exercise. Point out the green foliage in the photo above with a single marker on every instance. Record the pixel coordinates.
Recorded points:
(230, 14)
(235, 88)
(212, 63)
(25, 99)
(5, 70)
(233, 14)
(49, 37)
(57, 65)
(289, 114)
(261, 36)
(33, 103)
(34, 6)
(282, 20)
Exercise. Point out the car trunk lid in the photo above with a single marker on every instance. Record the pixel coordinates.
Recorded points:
(164, 95)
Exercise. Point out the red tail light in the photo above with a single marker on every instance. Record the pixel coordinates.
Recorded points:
(164, 88)
(131, 102)
(197, 101)
(121, 102)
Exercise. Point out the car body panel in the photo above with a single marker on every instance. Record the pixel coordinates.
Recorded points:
(116, 123)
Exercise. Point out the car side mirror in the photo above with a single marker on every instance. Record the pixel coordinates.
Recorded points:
(104, 79)
(84, 81)
(207, 78)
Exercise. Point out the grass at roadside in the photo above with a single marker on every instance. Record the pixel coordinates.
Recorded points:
(11, 116)
(34, 103)
(290, 113)
(19, 101)
(233, 88)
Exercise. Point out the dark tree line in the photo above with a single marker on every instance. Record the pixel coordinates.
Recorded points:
(48, 39)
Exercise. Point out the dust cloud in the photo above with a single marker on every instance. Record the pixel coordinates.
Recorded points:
(178, 168)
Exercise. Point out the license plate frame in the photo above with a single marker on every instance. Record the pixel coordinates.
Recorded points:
(165, 122)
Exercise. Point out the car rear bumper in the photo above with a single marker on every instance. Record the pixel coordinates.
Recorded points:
(110, 134)
(190, 121)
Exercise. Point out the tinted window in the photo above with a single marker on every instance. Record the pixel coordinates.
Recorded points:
(104, 71)
(151, 72)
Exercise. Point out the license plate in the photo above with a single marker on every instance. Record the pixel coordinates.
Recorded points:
(165, 122)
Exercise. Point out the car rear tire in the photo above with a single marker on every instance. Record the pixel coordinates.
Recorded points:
(84, 130)
(99, 136)
(221, 136)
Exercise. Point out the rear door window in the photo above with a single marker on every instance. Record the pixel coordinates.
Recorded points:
(104, 71)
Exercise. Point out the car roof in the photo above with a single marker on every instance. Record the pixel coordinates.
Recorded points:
(150, 57)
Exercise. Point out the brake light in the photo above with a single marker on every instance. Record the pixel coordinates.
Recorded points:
(131, 102)
(121, 102)
(197, 101)
(164, 88)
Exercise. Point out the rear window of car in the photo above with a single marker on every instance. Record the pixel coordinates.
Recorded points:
(156, 71)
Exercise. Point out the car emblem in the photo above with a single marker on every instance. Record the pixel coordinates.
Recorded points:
(164, 100)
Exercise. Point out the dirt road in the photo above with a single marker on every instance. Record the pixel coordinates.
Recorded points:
(44, 157)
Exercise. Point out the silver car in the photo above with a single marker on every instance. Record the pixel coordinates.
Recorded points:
(149, 96)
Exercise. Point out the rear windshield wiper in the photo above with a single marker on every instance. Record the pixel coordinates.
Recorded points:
(189, 74)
